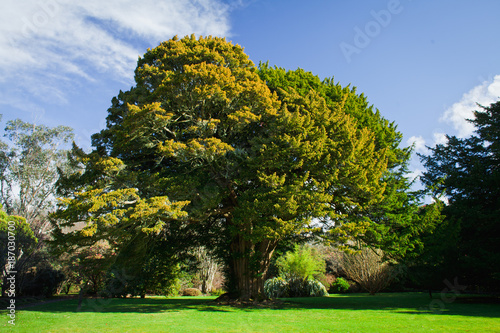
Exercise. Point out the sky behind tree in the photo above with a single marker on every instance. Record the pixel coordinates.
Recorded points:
(423, 64)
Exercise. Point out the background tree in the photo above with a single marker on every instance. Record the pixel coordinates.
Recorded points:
(29, 165)
(467, 172)
(250, 160)
(207, 266)
(30, 161)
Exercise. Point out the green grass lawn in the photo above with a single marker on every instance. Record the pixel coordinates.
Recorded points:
(395, 312)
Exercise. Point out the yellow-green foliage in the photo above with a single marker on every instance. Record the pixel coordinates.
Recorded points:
(204, 141)
(302, 263)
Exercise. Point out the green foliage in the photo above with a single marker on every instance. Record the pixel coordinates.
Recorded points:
(239, 158)
(276, 287)
(298, 287)
(42, 282)
(466, 172)
(294, 287)
(17, 242)
(339, 286)
(159, 271)
(302, 263)
(22, 239)
(383, 213)
(217, 292)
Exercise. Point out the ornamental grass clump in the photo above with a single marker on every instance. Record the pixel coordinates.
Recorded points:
(279, 287)
(276, 287)
(299, 270)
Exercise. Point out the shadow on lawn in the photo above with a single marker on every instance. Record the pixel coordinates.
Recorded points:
(404, 303)
(125, 305)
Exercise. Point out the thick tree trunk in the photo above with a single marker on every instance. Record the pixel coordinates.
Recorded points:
(250, 263)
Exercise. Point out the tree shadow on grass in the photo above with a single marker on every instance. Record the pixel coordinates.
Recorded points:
(404, 303)
(128, 305)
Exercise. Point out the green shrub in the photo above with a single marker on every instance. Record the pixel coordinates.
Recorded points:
(297, 287)
(303, 262)
(340, 286)
(191, 292)
(276, 287)
(294, 287)
(217, 292)
(42, 282)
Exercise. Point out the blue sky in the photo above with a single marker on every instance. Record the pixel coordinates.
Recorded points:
(423, 64)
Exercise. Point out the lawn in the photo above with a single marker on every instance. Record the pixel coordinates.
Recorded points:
(393, 312)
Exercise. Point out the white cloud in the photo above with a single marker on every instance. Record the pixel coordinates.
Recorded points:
(440, 138)
(45, 44)
(483, 94)
(418, 142)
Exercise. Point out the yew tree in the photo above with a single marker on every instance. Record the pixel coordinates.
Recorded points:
(209, 149)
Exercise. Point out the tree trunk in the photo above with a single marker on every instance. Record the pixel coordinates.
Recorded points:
(250, 263)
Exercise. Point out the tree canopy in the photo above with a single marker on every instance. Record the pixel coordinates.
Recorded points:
(466, 171)
(235, 156)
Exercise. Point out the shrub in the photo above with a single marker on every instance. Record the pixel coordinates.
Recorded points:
(315, 289)
(303, 262)
(191, 292)
(368, 269)
(295, 287)
(340, 286)
(42, 282)
(276, 287)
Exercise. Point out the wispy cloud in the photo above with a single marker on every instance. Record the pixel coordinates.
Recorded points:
(45, 44)
(483, 94)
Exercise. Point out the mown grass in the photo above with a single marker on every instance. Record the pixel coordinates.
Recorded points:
(397, 312)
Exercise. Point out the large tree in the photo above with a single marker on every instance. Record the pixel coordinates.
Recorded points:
(204, 146)
(466, 171)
